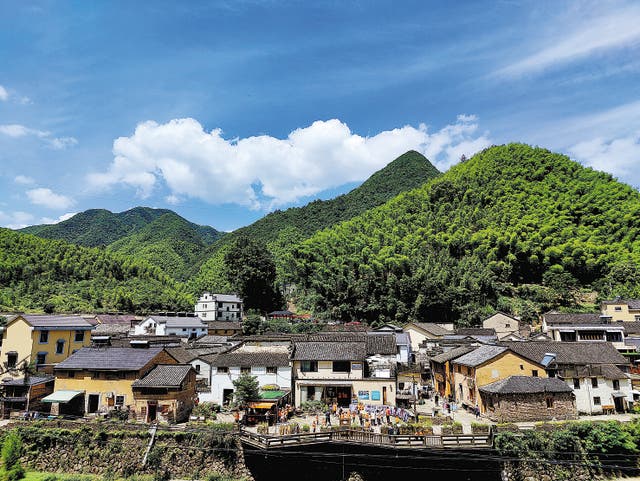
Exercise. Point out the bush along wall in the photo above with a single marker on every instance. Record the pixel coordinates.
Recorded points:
(120, 452)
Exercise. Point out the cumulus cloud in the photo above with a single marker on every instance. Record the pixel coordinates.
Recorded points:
(23, 180)
(57, 143)
(267, 172)
(63, 217)
(47, 198)
(15, 220)
(618, 156)
(4, 95)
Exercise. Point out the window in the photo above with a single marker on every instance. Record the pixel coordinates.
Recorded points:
(522, 367)
(272, 370)
(223, 369)
(245, 369)
(44, 337)
(42, 358)
(204, 306)
(59, 346)
(71, 374)
(204, 314)
(596, 401)
(576, 383)
(197, 367)
(614, 336)
(79, 336)
(534, 372)
(549, 402)
(120, 401)
(617, 308)
(616, 384)
(12, 359)
(309, 366)
(341, 366)
(594, 382)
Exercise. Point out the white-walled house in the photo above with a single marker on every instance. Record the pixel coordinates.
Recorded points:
(270, 364)
(190, 327)
(600, 389)
(219, 307)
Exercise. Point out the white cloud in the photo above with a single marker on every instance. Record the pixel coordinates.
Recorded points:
(56, 143)
(173, 199)
(15, 220)
(618, 156)
(577, 37)
(63, 217)
(264, 171)
(23, 180)
(48, 198)
(4, 95)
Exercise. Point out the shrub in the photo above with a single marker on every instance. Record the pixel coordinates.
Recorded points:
(313, 406)
(305, 428)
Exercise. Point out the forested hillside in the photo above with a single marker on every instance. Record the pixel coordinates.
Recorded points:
(280, 230)
(515, 228)
(54, 276)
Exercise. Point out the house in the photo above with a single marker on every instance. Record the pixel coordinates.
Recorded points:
(42, 339)
(191, 327)
(595, 371)
(423, 331)
(219, 307)
(100, 379)
(195, 356)
(485, 365)
(584, 327)
(24, 394)
(505, 325)
(403, 341)
(223, 328)
(344, 368)
(526, 398)
(166, 394)
(621, 310)
(442, 371)
(270, 364)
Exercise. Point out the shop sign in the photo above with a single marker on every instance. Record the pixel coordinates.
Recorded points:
(363, 395)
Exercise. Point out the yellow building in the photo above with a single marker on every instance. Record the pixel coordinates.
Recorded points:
(625, 310)
(42, 339)
(485, 365)
(425, 331)
(442, 369)
(100, 379)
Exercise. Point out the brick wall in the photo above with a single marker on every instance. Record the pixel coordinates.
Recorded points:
(529, 407)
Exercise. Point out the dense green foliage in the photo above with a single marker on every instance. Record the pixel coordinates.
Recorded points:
(280, 230)
(11, 450)
(247, 388)
(47, 275)
(159, 236)
(254, 275)
(515, 228)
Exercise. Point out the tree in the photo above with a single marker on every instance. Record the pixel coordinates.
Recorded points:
(252, 323)
(11, 450)
(252, 273)
(246, 388)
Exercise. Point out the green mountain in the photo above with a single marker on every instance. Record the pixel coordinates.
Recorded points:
(54, 276)
(282, 229)
(159, 236)
(514, 228)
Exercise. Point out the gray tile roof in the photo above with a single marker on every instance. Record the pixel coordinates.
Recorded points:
(179, 321)
(111, 329)
(476, 331)
(249, 356)
(452, 354)
(569, 352)
(526, 385)
(632, 303)
(572, 318)
(43, 322)
(329, 351)
(224, 325)
(164, 375)
(109, 358)
(381, 343)
(607, 371)
(480, 355)
(210, 339)
(631, 328)
(31, 381)
(432, 328)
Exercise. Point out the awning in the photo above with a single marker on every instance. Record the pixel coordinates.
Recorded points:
(635, 392)
(61, 396)
(260, 405)
(618, 394)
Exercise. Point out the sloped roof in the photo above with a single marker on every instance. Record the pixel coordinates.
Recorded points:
(109, 358)
(568, 352)
(608, 371)
(476, 331)
(54, 321)
(236, 326)
(632, 303)
(248, 356)
(431, 328)
(480, 355)
(210, 339)
(30, 381)
(329, 351)
(572, 317)
(526, 385)
(111, 329)
(164, 375)
(631, 328)
(117, 318)
(381, 343)
(452, 354)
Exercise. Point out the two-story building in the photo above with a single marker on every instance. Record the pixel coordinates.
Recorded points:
(505, 325)
(621, 310)
(219, 307)
(442, 370)
(420, 332)
(181, 326)
(581, 327)
(345, 368)
(44, 340)
(99, 379)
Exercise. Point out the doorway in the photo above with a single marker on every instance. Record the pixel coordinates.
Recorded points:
(343, 393)
(152, 412)
(227, 396)
(619, 404)
(384, 395)
(93, 402)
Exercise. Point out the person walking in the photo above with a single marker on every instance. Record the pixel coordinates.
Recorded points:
(327, 417)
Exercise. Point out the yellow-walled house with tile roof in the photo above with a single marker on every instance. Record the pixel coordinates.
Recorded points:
(44, 340)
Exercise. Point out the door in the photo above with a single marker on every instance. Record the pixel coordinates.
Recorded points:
(93, 403)
(152, 410)
(384, 395)
(344, 396)
(227, 396)
(619, 404)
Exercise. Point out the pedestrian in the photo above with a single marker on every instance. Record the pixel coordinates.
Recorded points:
(477, 412)
(436, 399)
(267, 417)
(361, 419)
(313, 425)
(327, 417)
(388, 415)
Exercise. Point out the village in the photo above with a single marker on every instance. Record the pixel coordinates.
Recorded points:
(166, 368)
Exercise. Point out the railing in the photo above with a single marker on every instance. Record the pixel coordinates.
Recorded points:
(369, 438)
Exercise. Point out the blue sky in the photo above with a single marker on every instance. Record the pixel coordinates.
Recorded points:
(223, 111)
